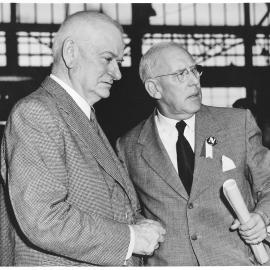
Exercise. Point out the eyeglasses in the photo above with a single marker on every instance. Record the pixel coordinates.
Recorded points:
(183, 75)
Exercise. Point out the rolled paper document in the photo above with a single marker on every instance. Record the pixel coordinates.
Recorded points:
(236, 201)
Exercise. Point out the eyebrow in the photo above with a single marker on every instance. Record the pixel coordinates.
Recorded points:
(193, 65)
(112, 54)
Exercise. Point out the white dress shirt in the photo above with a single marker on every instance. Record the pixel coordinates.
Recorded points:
(86, 108)
(169, 134)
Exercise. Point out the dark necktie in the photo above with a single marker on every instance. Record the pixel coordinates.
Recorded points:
(185, 157)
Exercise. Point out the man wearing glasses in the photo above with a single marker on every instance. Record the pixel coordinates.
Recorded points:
(180, 157)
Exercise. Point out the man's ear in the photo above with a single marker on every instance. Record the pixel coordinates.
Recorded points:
(69, 52)
(153, 89)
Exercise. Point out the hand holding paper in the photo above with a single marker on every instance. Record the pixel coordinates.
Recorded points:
(235, 199)
(253, 231)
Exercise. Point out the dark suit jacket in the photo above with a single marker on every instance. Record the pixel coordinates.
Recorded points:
(198, 226)
(71, 197)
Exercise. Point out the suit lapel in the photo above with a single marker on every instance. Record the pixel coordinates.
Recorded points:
(120, 173)
(208, 170)
(80, 124)
(155, 154)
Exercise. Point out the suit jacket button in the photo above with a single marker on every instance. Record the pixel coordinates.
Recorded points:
(190, 206)
(194, 237)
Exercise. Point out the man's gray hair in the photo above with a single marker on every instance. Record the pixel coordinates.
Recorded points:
(72, 26)
(151, 58)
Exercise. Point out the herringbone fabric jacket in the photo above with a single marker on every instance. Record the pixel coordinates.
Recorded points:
(71, 198)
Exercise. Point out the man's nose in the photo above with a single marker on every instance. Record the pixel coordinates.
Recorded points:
(193, 79)
(115, 71)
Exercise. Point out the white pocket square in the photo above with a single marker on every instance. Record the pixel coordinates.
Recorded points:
(227, 164)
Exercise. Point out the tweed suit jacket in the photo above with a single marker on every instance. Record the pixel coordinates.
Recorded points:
(6, 233)
(71, 198)
(198, 225)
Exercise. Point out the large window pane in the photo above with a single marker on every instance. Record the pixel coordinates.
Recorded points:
(221, 96)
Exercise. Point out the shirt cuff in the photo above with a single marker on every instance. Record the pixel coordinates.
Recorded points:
(131, 243)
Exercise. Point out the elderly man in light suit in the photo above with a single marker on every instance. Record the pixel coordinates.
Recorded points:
(180, 157)
(72, 201)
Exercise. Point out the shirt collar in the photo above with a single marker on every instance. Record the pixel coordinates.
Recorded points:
(169, 122)
(84, 106)
(191, 122)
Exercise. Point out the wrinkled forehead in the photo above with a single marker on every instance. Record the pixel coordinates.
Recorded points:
(172, 59)
(104, 37)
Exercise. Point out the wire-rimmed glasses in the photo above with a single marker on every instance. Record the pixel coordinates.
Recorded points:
(183, 75)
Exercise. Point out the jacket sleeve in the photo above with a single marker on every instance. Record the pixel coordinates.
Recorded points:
(7, 240)
(258, 161)
(38, 188)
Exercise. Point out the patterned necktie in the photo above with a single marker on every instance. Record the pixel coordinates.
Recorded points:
(93, 119)
(185, 157)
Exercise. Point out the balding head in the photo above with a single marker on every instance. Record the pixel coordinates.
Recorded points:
(79, 26)
(171, 77)
(153, 60)
(87, 50)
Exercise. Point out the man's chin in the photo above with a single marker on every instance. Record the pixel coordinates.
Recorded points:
(195, 107)
(105, 93)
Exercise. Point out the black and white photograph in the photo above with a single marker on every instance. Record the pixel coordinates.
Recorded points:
(134, 134)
